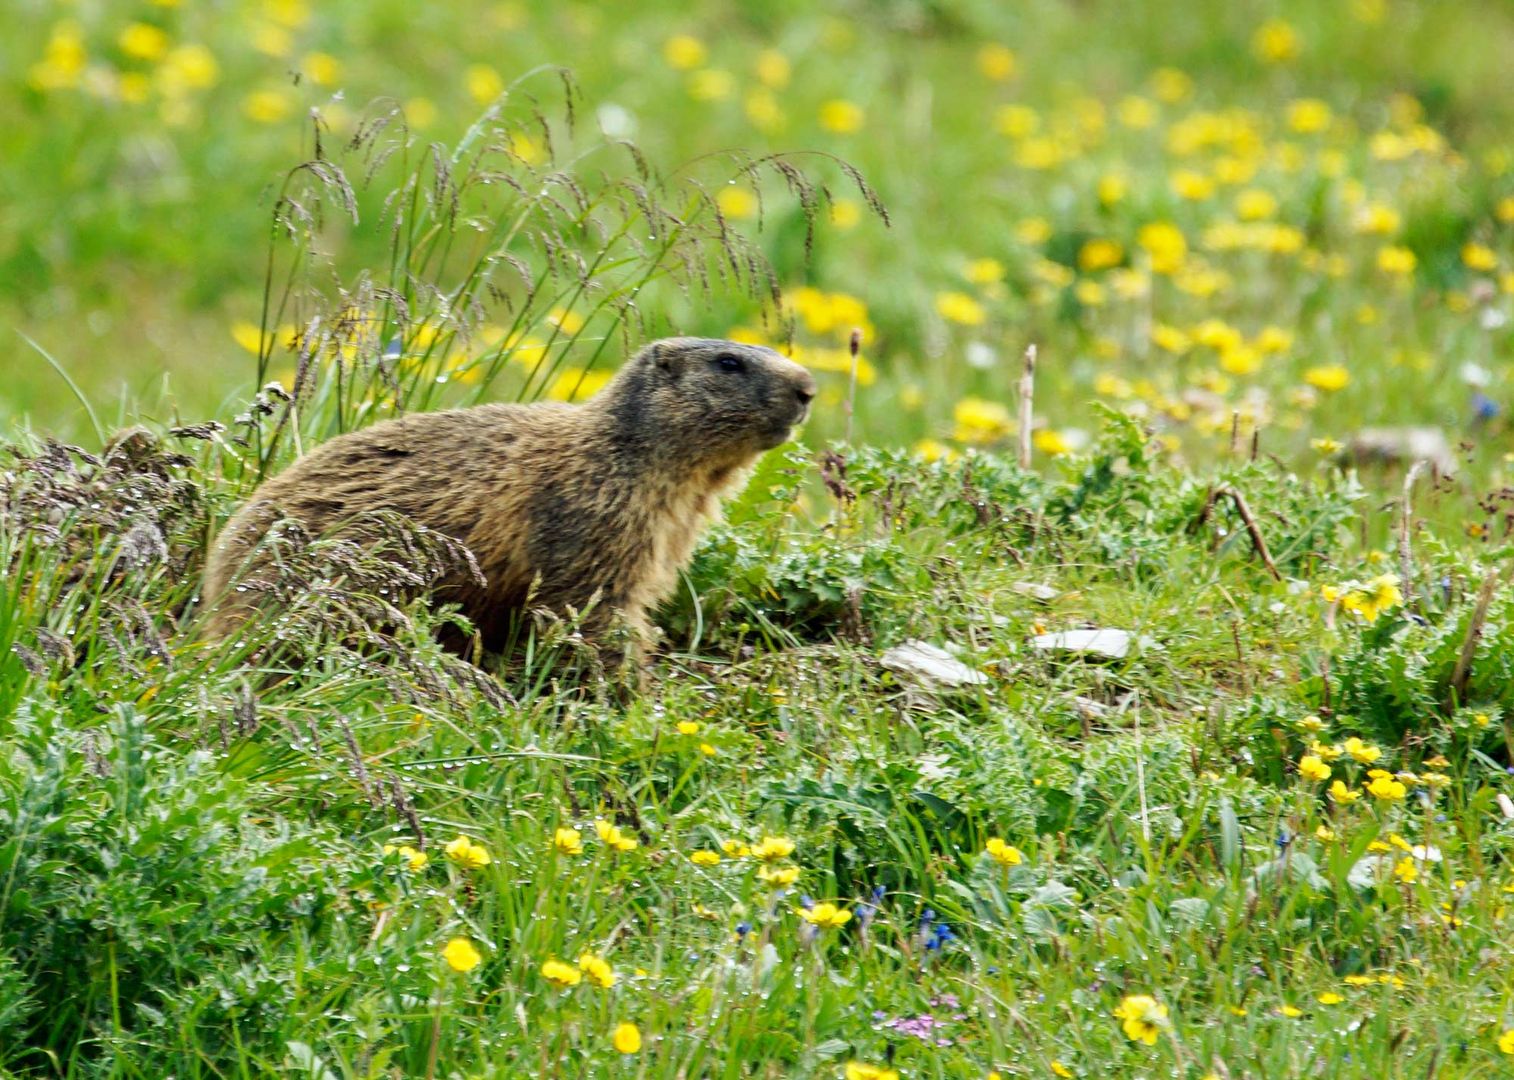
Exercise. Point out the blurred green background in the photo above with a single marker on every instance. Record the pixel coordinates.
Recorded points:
(1299, 213)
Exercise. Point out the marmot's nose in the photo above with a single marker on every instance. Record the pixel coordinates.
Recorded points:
(805, 390)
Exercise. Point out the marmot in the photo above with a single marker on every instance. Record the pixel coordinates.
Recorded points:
(561, 503)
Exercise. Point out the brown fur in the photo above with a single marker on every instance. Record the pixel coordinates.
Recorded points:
(565, 503)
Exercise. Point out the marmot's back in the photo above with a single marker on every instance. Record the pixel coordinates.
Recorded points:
(568, 502)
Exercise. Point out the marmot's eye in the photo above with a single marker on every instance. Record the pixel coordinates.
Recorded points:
(728, 362)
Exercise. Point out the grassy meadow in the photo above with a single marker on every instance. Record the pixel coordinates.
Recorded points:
(1272, 835)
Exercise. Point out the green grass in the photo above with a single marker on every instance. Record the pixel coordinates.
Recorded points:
(193, 870)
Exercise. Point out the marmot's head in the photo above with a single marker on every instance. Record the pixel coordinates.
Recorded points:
(719, 399)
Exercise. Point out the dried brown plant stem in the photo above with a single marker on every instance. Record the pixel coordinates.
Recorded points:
(1258, 541)
(1027, 404)
(855, 344)
(1462, 675)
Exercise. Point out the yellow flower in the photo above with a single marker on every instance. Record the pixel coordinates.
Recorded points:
(1188, 184)
(188, 67)
(1363, 752)
(1165, 244)
(1137, 113)
(323, 68)
(461, 955)
(1506, 1042)
(597, 968)
(1387, 789)
(857, 1070)
(1324, 833)
(684, 52)
(1057, 1069)
(560, 974)
(1371, 600)
(1275, 42)
(1378, 219)
(142, 41)
(688, 727)
(415, 860)
(1326, 446)
(1325, 752)
(1292, 1012)
(626, 1038)
(1328, 377)
(467, 854)
(983, 271)
(846, 213)
(568, 841)
(1170, 339)
(1032, 230)
(773, 848)
(1358, 980)
(1406, 871)
(996, 61)
(1399, 261)
(267, 106)
(773, 69)
(1254, 204)
(1051, 442)
(827, 916)
(1340, 793)
(980, 421)
(1170, 85)
(1143, 1018)
(1112, 188)
(1099, 254)
(1478, 257)
(1002, 853)
(842, 117)
(613, 838)
(1330, 997)
(778, 877)
(1308, 116)
(483, 83)
(735, 849)
(705, 858)
(1312, 768)
(960, 308)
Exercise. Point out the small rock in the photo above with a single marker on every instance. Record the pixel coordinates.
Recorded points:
(1044, 593)
(927, 663)
(1103, 643)
(1402, 446)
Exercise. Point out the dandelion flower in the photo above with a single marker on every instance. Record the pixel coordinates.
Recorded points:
(1142, 1018)
(773, 848)
(611, 836)
(1478, 257)
(996, 61)
(467, 854)
(598, 970)
(1395, 260)
(1275, 42)
(560, 974)
(857, 1070)
(842, 117)
(688, 727)
(626, 1038)
(461, 955)
(1292, 1012)
(684, 52)
(960, 308)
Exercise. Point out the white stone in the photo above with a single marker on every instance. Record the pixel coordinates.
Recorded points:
(923, 661)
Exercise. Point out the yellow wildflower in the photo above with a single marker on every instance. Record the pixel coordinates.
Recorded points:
(1478, 257)
(1340, 793)
(983, 271)
(827, 916)
(1308, 116)
(1165, 244)
(1360, 751)
(842, 117)
(1373, 598)
(684, 52)
(598, 970)
(267, 106)
(461, 955)
(1399, 261)
(705, 858)
(773, 69)
(613, 838)
(414, 860)
(1330, 997)
(857, 1070)
(960, 308)
(568, 841)
(1143, 1018)
(1275, 42)
(688, 727)
(1099, 254)
(1387, 789)
(773, 848)
(1328, 377)
(1292, 1012)
(1405, 870)
(142, 41)
(1506, 1042)
(483, 83)
(996, 61)
(560, 974)
(467, 854)
(1312, 768)
(778, 877)
(626, 1038)
(1002, 853)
